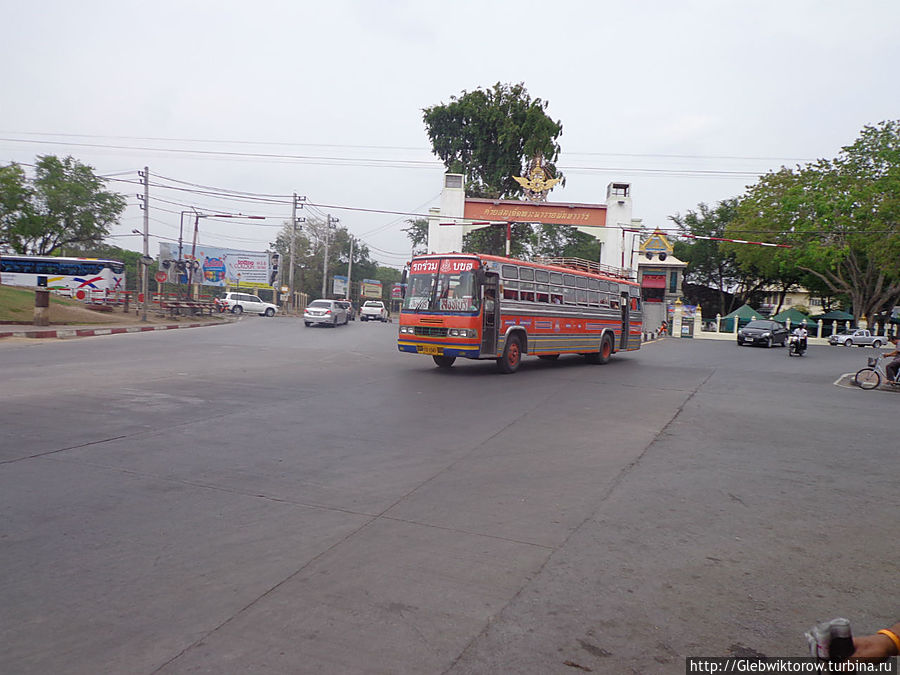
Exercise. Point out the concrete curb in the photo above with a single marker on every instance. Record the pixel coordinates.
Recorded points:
(73, 332)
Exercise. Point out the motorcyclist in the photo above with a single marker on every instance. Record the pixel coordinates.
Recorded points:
(801, 334)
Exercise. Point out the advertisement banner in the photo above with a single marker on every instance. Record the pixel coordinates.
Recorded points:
(397, 290)
(371, 288)
(218, 266)
(339, 286)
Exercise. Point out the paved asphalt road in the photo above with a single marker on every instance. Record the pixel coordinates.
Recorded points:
(267, 498)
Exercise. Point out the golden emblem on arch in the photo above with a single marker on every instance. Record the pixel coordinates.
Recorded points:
(537, 181)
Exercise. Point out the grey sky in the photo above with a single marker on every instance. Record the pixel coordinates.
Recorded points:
(334, 91)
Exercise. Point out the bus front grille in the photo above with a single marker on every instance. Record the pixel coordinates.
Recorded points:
(428, 331)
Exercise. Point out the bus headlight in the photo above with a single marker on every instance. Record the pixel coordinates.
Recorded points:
(407, 329)
(463, 332)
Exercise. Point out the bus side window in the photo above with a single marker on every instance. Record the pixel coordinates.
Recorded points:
(556, 295)
(543, 293)
(593, 298)
(526, 292)
(569, 296)
(511, 290)
(614, 301)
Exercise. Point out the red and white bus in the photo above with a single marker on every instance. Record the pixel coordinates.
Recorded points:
(479, 306)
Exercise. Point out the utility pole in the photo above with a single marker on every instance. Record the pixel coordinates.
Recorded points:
(294, 220)
(145, 264)
(329, 225)
(349, 270)
(293, 240)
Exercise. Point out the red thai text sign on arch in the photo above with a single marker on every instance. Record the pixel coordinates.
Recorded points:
(585, 215)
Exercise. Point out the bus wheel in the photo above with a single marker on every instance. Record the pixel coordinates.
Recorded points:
(512, 355)
(444, 361)
(605, 352)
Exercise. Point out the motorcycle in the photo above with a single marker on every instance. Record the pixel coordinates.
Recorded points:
(796, 347)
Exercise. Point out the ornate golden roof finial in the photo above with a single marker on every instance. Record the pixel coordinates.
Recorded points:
(538, 182)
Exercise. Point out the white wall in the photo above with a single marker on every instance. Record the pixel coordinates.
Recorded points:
(448, 238)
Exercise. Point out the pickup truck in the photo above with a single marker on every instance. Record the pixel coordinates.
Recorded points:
(373, 310)
(859, 337)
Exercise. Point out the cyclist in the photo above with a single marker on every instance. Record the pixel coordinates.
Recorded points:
(894, 365)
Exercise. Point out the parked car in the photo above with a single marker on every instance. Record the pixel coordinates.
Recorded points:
(373, 310)
(763, 332)
(236, 303)
(348, 306)
(859, 337)
(328, 312)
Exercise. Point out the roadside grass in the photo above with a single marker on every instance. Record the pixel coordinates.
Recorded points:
(17, 306)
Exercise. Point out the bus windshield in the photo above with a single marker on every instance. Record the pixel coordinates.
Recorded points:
(443, 285)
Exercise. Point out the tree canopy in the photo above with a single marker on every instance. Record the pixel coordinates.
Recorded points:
(65, 203)
(840, 217)
(490, 134)
(837, 217)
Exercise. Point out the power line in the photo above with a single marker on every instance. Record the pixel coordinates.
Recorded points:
(405, 163)
(648, 155)
(311, 159)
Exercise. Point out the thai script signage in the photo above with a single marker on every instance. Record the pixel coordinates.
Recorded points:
(584, 215)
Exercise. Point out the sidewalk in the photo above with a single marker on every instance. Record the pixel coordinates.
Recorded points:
(704, 335)
(73, 331)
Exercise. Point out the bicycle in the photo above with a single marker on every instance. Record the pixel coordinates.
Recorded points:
(871, 376)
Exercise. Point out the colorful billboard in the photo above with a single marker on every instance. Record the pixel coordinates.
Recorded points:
(218, 266)
(370, 288)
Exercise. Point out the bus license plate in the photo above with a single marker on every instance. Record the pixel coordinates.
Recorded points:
(434, 350)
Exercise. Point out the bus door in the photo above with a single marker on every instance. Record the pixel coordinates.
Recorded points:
(491, 314)
(626, 304)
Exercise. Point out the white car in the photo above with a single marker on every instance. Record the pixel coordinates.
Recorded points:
(328, 312)
(373, 310)
(237, 303)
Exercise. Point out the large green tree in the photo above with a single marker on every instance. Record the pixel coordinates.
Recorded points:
(710, 264)
(65, 203)
(15, 202)
(840, 216)
(490, 135)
